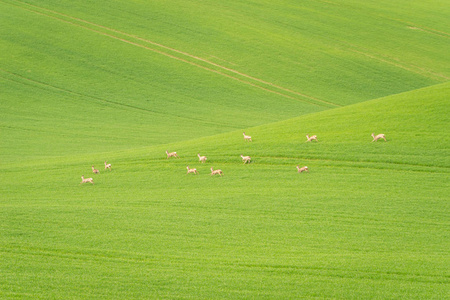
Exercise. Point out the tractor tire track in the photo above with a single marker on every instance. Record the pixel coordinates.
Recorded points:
(411, 68)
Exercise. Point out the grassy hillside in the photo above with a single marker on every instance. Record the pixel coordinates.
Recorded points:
(120, 75)
(342, 52)
(123, 81)
(370, 220)
(42, 120)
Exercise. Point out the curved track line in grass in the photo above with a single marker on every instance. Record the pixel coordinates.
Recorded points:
(389, 60)
(423, 28)
(98, 99)
(310, 99)
(393, 60)
(415, 26)
(410, 68)
(427, 29)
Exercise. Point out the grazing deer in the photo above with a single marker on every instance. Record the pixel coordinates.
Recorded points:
(95, 171)
(247, 137)
(302, 169)
(378, 136)
(311, 138)
(171, 154)
(214, 172)
(84, 180)
(246, 159)
(202, 159)
(189, 170)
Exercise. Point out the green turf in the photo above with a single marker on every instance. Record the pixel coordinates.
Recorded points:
(369, 220)
(85, 82)
(342, 52)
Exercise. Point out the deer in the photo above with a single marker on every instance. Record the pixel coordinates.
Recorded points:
(84, 180)
(171, 154)
(302, 169)
(202, 159)
(95, 171)
(247, 137)
(107, 166)
(378, 136)
(214, 172)
(189, 170)
(246, 159)
(311, 138)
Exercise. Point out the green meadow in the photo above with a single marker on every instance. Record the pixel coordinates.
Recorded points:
(86, 82)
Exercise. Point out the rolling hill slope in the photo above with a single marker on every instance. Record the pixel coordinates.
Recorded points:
(86, 82)
(368, 220)
(315, 51)
(124, 75)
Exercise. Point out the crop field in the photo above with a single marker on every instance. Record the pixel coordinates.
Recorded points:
(86, 83)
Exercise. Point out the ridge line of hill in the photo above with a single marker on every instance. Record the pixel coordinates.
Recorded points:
(304, 115)
(147, 149)
(312, 113)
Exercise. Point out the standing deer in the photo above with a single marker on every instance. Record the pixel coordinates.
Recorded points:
(246, 159)
(247, 137)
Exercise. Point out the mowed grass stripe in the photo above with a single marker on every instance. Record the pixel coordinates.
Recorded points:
(244, 78)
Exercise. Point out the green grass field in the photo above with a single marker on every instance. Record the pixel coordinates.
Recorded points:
(124, 81)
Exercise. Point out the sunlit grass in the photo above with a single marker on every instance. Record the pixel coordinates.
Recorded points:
(80, 86)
